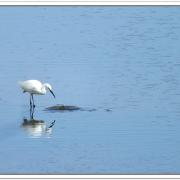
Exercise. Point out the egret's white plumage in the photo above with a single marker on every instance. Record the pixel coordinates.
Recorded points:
(35, 87)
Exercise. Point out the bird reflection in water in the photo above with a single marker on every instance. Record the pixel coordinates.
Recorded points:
(36, 128)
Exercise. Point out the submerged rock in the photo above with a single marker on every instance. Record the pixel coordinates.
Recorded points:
(61, 107)
(31, 122)
(108, 110)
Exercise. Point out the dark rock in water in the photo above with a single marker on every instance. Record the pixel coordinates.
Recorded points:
(90, 110)
(31, 122)
(108, 110)
(62, 107)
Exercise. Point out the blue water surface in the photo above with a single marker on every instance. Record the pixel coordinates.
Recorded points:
(122, 61)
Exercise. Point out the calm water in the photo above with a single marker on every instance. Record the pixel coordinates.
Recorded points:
(122, 61)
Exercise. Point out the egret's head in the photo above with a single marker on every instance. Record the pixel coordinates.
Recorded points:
(48, 87)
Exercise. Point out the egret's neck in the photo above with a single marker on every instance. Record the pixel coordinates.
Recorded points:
(43, 89)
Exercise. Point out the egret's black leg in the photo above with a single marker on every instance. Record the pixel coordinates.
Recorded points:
(33, 101)
(31, 107)
(30, 102)
(32, 114)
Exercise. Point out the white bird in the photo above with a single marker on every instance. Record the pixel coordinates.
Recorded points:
(35, 87)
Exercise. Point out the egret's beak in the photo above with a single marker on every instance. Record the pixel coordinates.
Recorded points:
(52, 93)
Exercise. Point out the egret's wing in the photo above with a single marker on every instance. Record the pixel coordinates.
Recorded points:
(32, 86)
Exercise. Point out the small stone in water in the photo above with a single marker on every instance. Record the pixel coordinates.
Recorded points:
(63, 108)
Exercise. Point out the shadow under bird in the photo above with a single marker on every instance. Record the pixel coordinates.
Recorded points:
(35, 87)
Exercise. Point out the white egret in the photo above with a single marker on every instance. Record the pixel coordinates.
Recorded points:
(35, 87)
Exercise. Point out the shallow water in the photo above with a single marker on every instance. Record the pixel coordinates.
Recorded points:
(122, 61)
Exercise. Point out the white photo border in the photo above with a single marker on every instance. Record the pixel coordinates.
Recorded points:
(89, 3)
